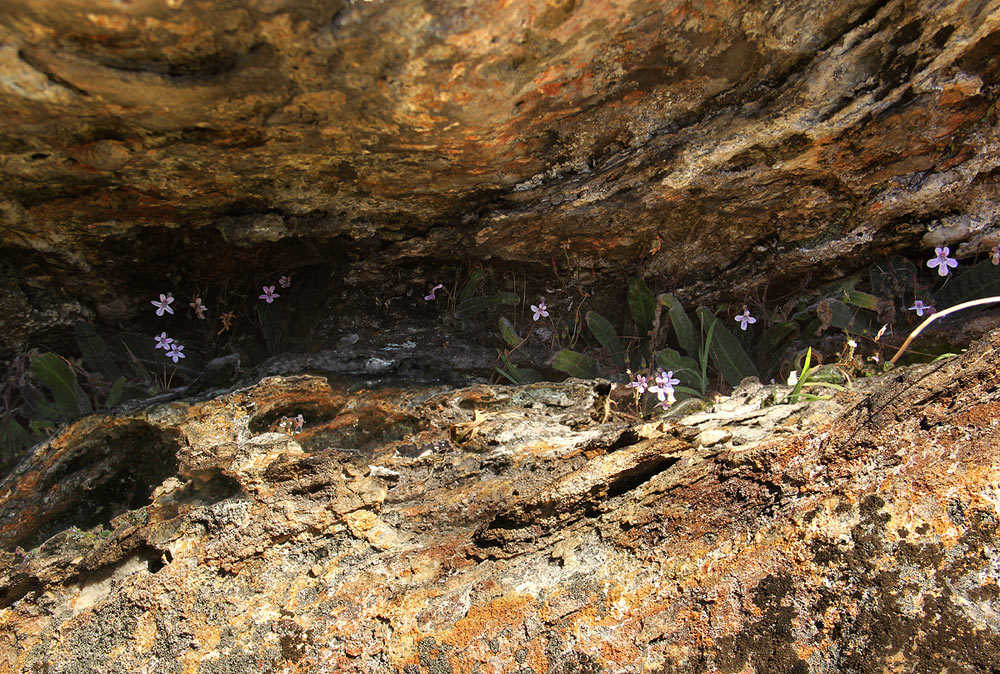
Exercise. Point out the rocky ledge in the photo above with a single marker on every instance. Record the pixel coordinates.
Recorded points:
(513, 529)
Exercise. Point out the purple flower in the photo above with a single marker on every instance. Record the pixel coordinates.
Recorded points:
(745, 318)
(163, 342)
(175, 352)
(199, 308)
(285, 281)
(163, 304)
(920, 308)
(666, 398)
(942, 261)
(430, 296)
(540, 309)
(640, 384)
(269, 294)
(666, 379)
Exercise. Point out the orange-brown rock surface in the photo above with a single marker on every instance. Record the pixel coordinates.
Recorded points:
(714, 147)
(513, 529)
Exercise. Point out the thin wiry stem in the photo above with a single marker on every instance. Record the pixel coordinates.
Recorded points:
(941, 314)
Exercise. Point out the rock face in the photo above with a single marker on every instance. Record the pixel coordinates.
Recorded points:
(500, 529)
(714, 147)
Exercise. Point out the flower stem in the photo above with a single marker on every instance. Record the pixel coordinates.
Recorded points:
(941, 314)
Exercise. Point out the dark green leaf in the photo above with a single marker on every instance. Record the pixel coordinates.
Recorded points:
(508, 333)
(57, 376)
(116, 393)
(575, 364)
(684, 368)
(605, 334)
(271, 324)
(642, 304)
(96, 354)
(727, 352)
(475, 305)
(836, 314)
(683, 328)
(979, 280)
(14, 436)
(860, 299)
(469, 289)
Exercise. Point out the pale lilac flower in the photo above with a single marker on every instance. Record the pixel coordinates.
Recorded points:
(942, 261)
(995, 255)
(745, 318)
(876, 358)
(163, 342)
(269, 294)
(175, 352)
(640, 384)
(540, 309)
(199, 308)
(666, 399)
(299, 420)
(666, 379)
(285, 281)
(163, 304)
(920, 308)
(430, 296)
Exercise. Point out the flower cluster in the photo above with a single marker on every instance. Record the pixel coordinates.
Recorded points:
(663, 387)
(173, 349)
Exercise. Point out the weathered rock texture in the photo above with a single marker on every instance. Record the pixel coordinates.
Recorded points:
(697, 142)
(496, 529)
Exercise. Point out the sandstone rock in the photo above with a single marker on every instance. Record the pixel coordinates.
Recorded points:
(186, 536)
(717, 148)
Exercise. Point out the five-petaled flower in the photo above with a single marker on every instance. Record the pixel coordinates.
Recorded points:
(640, 384)
(199, 308)
(942, 261)
(666, 398)
(666, 380)
(163, 342)
(745, 318)
(285, 281)
(163, 304)
(920, 308)
(269, 294)
(430, 295)
(175, 352)
(540, 310)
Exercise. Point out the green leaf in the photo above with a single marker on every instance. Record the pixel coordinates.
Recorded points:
(469, 289)
(803, 376)
(605, 334)
(271, 324)
(475, 305)
(895, 277)
(59, 378)
(860, 299)
(836, 314)
(778, 333)
(642, 304)
(96, 354)
(727, 352)
(575, 364)
(979, 280)
(670, 359)
(14, 436)
(116, 393)
(509, 334)
(683, 328)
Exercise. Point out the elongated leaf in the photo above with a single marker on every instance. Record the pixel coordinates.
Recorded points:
(803, 376)
(642, 304)
(96, 354)
(684, 368)
(60, 379)
(683, 328)
(469, 289)
(116, 393)
(13, 436)
(575, 364)
(727, 352)
(836, 314)
(508, 333)
(979, 280)
(605, 334)
(475, 305)
(860, 299)
(271, 324)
